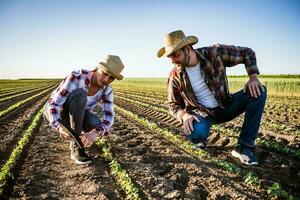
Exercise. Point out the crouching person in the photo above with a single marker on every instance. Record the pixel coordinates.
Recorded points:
(198, 91)
(74, 99)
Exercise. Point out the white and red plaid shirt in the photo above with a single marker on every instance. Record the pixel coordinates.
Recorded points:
(81, 79)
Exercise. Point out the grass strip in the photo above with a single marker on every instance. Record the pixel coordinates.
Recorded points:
(247, 176)
(120, 174)
(7, 169)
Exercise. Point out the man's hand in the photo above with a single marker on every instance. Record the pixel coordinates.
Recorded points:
(188, 123)
(89, 138)
(63, 135)
(253, 86)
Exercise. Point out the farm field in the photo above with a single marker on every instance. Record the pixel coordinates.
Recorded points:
(144, 156)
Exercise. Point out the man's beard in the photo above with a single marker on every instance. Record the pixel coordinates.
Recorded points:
(186, 60)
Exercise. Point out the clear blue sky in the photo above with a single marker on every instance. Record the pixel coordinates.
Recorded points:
(52, 38)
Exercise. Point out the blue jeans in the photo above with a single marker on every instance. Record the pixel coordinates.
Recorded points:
(241, 102)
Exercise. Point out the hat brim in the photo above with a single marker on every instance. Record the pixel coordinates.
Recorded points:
(189, 40)
(106, 70)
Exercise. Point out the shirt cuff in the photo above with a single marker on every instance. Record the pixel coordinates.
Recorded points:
(253, 69)
(102, 130)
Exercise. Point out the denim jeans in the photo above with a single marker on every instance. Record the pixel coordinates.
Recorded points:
(74, 112)
(241, 102)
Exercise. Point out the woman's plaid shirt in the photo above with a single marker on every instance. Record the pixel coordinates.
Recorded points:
(213, 63)
(81, 79)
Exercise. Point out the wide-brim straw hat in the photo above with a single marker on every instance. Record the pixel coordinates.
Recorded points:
(175, 41)
(112, 65)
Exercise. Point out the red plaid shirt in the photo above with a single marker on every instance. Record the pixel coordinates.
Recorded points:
(76, 80)
(213, 62)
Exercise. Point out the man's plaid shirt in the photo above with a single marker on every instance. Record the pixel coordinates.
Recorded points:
(81, 79)
(213, 63)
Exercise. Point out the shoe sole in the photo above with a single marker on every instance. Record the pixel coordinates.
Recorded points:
(238, 155)
(80, 162)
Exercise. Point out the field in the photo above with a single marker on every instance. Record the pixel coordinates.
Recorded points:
(144, 156)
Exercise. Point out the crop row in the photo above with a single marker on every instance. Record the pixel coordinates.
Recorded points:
(142, 97)
(248, 177)
(20, 103)
(270, 145)
(282, 111)
(278, 101)
(20, 93)
(120, 174)
(148, 100)
(22, 89)
(6, 173)
(273, 122)
(276, 86)
(14, 84)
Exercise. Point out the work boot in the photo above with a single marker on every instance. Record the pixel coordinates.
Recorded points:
(245, 154)
(79, 155)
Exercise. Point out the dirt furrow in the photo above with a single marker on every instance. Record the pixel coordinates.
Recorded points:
(282, 121)
(291, 140)
(12, 129)
(272, 167)
(49, 173)
(164, 171)
(5, 104)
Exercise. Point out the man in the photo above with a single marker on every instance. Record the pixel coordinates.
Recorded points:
(76, 96)
(198, 93)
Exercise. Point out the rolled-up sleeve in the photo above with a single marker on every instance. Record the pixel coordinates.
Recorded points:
(108, 110)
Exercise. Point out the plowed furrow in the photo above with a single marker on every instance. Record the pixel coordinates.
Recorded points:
(49, 173)
(163, 171)
(273, 166)
(12, 129)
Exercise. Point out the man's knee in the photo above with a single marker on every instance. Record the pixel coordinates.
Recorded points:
(201, 130)
(263, 94)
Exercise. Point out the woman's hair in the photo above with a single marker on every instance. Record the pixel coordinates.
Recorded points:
(95, 69)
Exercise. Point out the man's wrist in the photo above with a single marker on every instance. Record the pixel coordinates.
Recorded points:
(252, 76)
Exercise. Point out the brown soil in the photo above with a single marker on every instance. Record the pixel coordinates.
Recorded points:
(5, 104)
(160, 169)
(164, 171)
(272, 167)
(14, 124)
(49, 173)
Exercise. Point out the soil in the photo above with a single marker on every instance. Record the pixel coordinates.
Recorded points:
(14, 124)
(49, 173)
(272, 166)
(163, 171)
(160, 169)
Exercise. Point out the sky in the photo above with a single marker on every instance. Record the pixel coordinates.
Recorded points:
(49, 39)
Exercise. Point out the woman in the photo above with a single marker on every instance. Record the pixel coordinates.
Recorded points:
(76, 96)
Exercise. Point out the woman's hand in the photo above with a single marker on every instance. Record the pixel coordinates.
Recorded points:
(89, 138)
(63, 135)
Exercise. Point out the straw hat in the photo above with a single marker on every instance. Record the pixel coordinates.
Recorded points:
(175, 41)
(112, 65)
